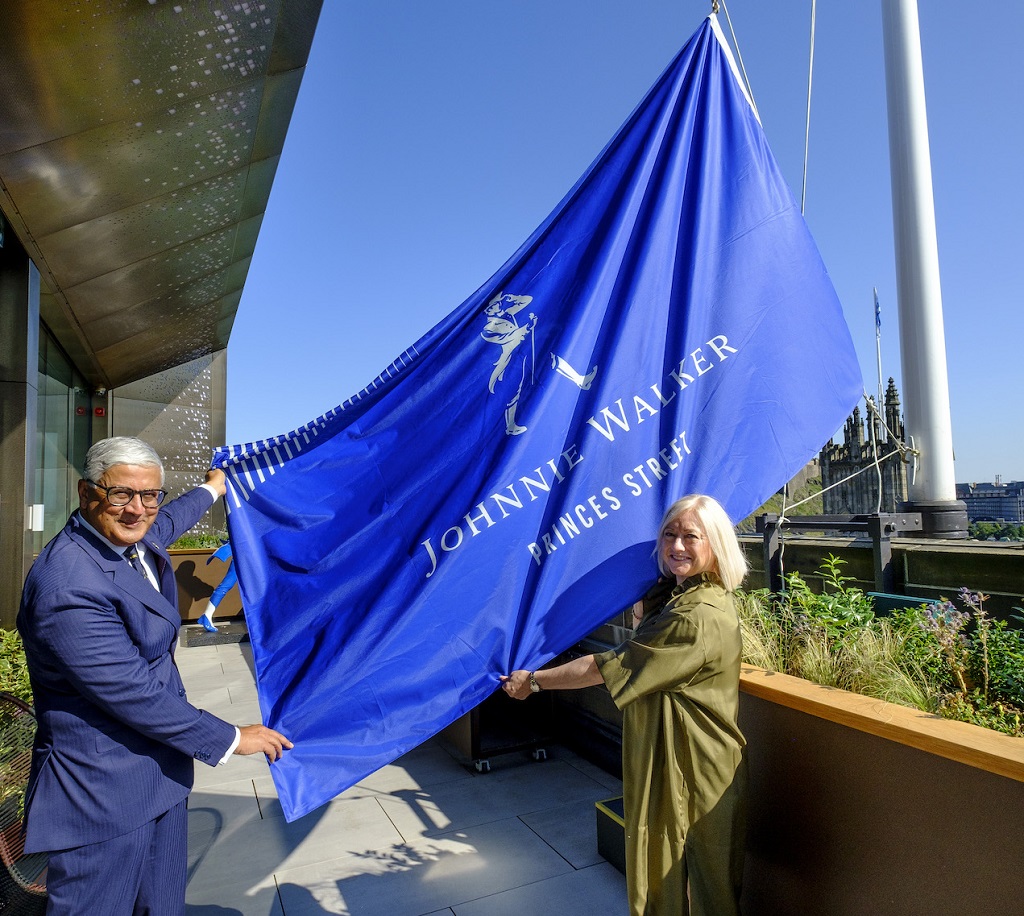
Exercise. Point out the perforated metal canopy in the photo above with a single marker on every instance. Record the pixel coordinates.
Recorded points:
(138, 143)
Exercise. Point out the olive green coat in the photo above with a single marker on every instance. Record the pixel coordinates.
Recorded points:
(677, 683)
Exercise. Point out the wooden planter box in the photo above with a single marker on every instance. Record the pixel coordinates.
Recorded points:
(859, 806)
(196, 582)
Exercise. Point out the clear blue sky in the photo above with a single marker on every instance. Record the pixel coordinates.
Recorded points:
(429, 140)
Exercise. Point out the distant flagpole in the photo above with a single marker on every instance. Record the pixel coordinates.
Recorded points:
(878, 346)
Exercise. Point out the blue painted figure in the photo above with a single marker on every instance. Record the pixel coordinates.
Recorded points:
(222, 553)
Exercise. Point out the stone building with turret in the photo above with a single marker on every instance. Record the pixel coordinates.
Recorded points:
(865, 442)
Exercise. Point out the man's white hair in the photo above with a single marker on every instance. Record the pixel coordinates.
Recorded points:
(107, 453)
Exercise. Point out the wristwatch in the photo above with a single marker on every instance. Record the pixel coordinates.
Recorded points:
(534, 686)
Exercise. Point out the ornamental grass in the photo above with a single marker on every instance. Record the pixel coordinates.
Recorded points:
(948, 658)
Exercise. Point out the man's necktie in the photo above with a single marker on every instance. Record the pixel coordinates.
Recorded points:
(132, 556)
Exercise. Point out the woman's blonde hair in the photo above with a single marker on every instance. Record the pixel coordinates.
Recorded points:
(730, 563)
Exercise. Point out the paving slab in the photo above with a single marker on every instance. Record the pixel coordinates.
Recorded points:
(425, 875)
(423, 836)
(596, 891)
(528, 788)
(571, 830)
(245, 852)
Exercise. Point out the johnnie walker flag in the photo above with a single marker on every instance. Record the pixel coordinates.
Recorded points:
(494, 495)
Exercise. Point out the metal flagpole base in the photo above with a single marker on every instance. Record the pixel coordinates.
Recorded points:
(945, 518)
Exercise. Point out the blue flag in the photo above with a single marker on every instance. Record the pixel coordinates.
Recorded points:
(494, 495)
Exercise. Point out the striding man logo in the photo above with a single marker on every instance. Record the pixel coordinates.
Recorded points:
(503, 329)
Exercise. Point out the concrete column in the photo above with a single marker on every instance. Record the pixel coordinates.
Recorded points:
(19, 374)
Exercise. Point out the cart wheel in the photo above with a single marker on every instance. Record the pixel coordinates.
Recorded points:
(540, 754)
(482, 766)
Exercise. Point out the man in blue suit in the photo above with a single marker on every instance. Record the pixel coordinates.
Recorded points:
(112, 765)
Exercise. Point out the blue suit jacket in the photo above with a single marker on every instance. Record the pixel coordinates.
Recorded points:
(116, 738)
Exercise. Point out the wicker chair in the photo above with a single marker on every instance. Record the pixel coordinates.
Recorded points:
(23, 876)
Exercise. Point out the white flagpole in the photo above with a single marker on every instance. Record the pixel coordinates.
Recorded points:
(919, 300)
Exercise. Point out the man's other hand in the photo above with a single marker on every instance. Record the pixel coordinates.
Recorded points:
(258, 739)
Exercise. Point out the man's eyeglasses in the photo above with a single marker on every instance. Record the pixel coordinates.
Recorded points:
(121, 496)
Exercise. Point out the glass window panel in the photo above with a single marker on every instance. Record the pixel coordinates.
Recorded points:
(63, 437)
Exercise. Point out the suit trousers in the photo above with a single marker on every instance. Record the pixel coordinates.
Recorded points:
(141, 873)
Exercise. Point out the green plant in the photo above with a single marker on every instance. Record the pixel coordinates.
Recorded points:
(977, 663)
(959, 663)
(996, 531)
(13, 667)
(198, 541)
(839, 609)
(766, 638)
(920, 649)
(995, 663)
(831, 638)
(1006, 662)
(16, 729)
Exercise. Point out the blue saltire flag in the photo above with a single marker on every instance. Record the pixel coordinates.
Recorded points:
(494, 495)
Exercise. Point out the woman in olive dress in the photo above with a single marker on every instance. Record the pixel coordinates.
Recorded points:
(676, 681)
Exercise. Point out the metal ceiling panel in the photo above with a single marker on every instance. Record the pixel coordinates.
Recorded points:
(138, 144)
(246, 237)
(144, 355)
(195, 304)
(158, 275)
(76, 178)
(79, 64)
(105, 243)
(279, 95)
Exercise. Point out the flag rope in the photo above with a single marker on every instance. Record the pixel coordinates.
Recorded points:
(902, 450)
(807, 121)
(739, 57)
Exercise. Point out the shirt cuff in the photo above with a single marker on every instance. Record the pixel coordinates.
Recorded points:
(231, 750)
(211, 491)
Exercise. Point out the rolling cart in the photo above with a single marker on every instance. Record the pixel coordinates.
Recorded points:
(500, 725)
